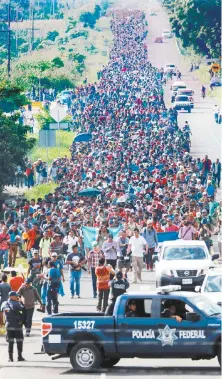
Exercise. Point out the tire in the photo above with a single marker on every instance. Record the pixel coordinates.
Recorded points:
(110, 362)
(219, 353)
(85, 357)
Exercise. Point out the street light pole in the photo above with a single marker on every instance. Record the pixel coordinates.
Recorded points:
(9, 38)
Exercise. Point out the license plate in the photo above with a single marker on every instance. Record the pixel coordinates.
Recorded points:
(187, 281)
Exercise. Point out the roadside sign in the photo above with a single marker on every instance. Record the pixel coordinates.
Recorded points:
(58, 112)
(58, 126)
(215, 67)
(37, 104)
(47, 138)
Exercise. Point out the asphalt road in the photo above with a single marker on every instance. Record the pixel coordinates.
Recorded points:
(206, 139)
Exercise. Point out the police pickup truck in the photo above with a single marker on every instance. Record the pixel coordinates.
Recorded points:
(160, 324)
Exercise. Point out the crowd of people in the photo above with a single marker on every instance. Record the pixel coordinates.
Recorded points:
(139, 160)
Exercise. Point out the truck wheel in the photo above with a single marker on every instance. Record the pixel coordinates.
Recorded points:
(219, 353)
(85, 357)
(110, 362)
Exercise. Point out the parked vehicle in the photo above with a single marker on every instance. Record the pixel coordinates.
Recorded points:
(183, 262)
(170, 68)
(187, 92)
(176, 86)
(167, 34)
(158, 40)
(182, 103)
(92, 340)
(212, 286)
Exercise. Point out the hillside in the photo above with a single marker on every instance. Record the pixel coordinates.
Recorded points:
(82, 50)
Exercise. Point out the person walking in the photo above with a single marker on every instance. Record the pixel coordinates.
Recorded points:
(103, 272)
(4, 293)
(35, 268)
(93, 260)
(75, 260)
(4, 245)
(13, 311)
(123, 259)
(16, 281)
(150, 235)
(13, 243)
(216, 113)
(110, 249)
(44, 245)
(54, 279)
(187, 231)
(137, 244)
(30, 295)
(118, 286)
(216, 171)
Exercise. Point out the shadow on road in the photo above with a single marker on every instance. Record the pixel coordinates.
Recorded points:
(144, 371)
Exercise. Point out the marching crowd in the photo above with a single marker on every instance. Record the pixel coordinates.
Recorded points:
(139, 160)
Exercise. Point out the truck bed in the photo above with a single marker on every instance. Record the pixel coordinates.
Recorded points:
(67, 328)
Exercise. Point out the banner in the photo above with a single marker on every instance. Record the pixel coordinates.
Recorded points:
(167, 236)
(90, 235)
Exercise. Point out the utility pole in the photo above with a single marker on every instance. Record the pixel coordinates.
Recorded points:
(9, 38)
(33, 28)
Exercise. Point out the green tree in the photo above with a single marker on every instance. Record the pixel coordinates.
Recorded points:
(57, 62)
(11, 97)
(51, 35)
(88, 19)
(14, 146)
(97, 12)
(198, 24)
(44, 119)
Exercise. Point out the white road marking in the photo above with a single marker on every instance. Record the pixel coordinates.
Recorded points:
(103, 376)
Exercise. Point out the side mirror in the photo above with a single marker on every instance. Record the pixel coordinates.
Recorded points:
(197, 288)
(192, 316)
(215, 256)
(155, 257)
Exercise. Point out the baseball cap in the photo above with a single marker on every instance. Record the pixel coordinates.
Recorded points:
(28, 281)
(54, 254)
(94, 244)
(13, 293)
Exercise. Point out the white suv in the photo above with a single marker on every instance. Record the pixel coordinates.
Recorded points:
(182, 103)
(182, 262)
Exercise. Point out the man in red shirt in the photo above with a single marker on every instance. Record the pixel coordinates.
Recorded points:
(16, 281)
(170, 226)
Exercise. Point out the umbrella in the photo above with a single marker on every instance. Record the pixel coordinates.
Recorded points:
(83, 137)
(122, 199)
(90, 192)
(19, 269)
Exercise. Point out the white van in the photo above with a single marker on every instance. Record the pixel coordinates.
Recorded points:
(183, 262)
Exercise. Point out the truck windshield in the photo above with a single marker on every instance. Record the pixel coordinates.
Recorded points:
(186, 93)
(213, 284)
(184, 253)
(182, 98)
(206, 306)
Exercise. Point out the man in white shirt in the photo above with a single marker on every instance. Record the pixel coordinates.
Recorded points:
(137, 244)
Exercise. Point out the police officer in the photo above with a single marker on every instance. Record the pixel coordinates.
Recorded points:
(13, 310)
(132, 311)
(118, 285)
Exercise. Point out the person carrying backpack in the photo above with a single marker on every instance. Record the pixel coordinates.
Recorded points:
(54, 280)
(150, 235)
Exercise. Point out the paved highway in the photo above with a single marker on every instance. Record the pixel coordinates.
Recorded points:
(206, 139)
